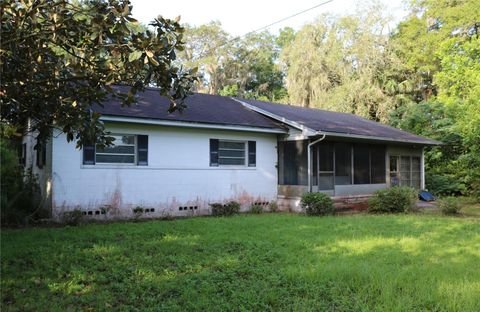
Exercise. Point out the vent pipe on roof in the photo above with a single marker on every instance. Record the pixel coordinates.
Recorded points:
(309, 161)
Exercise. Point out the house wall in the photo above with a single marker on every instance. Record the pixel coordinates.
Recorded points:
(178, 174)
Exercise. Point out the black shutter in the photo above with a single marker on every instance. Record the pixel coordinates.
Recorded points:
(142, 150)
(23, 156)
(39, 157)
(44, 155)
(89, 154)
(252, 153)
(213, 152)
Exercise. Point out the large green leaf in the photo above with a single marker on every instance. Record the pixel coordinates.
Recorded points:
(135, 55)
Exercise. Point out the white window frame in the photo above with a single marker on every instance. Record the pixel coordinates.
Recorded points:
(135, 146)
(245, 153)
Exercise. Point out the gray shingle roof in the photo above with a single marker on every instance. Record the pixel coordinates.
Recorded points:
(338, 123)
(222, 110)
(202, 108)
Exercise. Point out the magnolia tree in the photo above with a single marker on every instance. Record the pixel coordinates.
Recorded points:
(60, 57)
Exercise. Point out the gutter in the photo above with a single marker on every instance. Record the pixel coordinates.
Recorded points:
(186, 124)
(377, 138)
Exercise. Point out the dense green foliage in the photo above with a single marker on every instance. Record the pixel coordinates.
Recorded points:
(224, 210)
(60, 57)
(245, 67)
(268, 262)
(350, 65)
(20, 199)
(439, 46)
(393, 199)
(317, 204)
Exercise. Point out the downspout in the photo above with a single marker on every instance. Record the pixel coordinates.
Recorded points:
(422, 169)
(309, 161)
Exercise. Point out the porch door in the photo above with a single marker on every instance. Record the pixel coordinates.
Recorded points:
(325, 165)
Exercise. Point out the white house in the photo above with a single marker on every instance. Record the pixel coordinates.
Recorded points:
(221, 149)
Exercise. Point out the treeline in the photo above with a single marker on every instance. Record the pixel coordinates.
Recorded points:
(423, 76)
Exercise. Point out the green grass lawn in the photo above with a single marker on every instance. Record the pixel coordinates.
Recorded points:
(248, 262)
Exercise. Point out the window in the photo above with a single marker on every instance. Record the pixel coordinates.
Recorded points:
(126, 149)
(122, 152)
(232, 153)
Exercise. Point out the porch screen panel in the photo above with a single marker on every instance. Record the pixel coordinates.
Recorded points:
(343, 164)
(325, 153)
(325, 166)
(405, 179)
(294, 162)
(361, 164)
(289, 169)
(416, 172)
(377, 162)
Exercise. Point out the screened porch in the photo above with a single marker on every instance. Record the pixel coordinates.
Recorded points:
(341, 168)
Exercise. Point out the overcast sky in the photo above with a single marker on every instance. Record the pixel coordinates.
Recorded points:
(240, 17)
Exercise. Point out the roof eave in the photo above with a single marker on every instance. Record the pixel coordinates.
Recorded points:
(188, 124)
(305, 130)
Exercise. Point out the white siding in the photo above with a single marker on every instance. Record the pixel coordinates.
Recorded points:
(178, 174)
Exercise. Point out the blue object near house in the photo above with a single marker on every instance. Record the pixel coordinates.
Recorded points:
(426, 196)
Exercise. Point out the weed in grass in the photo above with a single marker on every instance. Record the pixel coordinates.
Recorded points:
(273, 206)
(256, 209)
(449, 205)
